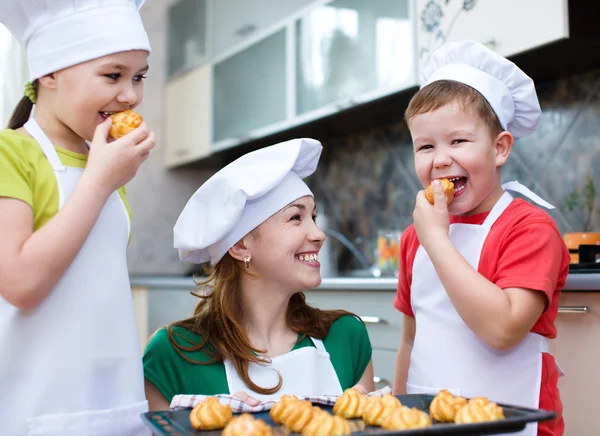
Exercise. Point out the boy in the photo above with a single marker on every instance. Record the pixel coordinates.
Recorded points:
(480, 279)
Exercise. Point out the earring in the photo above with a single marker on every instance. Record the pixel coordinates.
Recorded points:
(247, 261)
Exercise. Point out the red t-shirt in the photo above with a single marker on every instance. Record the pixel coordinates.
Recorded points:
(523, 249)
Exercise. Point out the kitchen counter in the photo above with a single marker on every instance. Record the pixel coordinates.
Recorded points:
(576, 282)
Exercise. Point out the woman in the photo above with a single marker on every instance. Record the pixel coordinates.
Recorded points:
(254, 221)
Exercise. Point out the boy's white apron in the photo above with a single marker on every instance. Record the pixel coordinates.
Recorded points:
(305, 371)
(448, 355)
(72, 366)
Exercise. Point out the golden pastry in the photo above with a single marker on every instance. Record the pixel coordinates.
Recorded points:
(124, 122)
(479, 410)
(282, 408)
(350, 404)
(300, 414)
(325, 424)
(444, 406)
(448, 191)
(403, 418)
(377, 409)
(210, 415)
(246, 425)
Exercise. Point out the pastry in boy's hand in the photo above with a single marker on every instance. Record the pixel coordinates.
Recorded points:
(325, 424)
(403, 418)
(448, 191)
(377, 409)
(350, 404)
(283, 408)
(444, 406)
(210, 415)
(124, 122)
(479, 409)
(246, 425)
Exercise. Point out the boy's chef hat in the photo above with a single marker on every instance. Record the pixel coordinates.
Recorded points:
(509, 91)
(61, 33)
(241, 196)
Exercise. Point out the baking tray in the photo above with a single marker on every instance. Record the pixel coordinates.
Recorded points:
(177, 423)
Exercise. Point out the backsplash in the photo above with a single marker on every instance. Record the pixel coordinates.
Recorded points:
(367, 182)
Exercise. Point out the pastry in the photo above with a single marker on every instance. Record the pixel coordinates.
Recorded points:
(377, 409)
(282, 408)
(210, 415)
(325, 424)
(350, 404)
(479, 409)
(300, 414)
(444, 406)
(246, 425)
(448, 191)
(403, 418)
(124, 122)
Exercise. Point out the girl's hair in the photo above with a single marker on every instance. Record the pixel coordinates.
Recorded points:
(217, 320)
(22, 111)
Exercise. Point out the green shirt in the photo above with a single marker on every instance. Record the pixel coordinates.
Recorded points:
(347, 343)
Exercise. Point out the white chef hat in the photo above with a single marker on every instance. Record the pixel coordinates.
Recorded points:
(508, 90)
(61, 33)
(241, 196)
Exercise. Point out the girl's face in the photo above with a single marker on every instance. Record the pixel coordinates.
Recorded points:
(85, 94)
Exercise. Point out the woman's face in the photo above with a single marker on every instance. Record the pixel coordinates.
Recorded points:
(285, 249)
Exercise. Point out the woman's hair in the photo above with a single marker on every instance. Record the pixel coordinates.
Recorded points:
(22, 111)
(218, 316)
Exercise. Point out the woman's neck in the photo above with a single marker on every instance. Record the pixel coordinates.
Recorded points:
(264, 308)
(58, 133)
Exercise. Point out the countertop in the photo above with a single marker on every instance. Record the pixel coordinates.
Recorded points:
(576, 282)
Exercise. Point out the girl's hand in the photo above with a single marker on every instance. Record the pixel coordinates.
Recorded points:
(113, 164)
(250, 401)
(431, 221)
(360, 388)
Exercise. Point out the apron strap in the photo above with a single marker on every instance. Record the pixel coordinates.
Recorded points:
(497, 210)
(318, 344)
(38, 134)
(524, 190)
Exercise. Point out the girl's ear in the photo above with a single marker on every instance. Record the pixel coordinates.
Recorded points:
(239, 251)
(503, 147)
(48, 81)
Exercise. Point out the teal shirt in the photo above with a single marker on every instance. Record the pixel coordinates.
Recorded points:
(347, 343)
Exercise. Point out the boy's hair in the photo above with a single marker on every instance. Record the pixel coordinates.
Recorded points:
(441, 92)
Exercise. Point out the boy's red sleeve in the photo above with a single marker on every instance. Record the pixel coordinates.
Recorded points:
(408, 248)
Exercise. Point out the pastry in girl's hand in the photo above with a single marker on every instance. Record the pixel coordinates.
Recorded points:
(210, 415)
(300, 414)
(350, 404)
(325, 424)
(479, 409)
(448, 191)
(403, 418)
(444, 406)
(282, 408)
(246, 425)
(124, 122)
(377, 409)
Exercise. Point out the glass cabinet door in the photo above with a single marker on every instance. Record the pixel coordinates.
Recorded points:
(350, 47)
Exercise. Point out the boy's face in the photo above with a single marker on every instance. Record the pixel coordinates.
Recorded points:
(454, 143)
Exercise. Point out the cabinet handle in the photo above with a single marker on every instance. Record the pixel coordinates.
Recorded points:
(381, 380)
(573, 309)
(372, 320)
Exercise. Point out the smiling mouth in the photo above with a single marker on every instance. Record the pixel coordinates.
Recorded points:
(460, 183)
(310, 259)
(105, 115)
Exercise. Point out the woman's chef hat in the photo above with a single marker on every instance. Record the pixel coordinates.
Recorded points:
(241, 196)
(508, 90)
(61, 33)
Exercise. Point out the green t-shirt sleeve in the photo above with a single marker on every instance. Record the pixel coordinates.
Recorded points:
(15, 172)
(162, 365)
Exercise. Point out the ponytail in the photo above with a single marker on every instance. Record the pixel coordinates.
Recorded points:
(22, 111)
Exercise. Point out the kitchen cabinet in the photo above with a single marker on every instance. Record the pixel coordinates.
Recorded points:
(188, 119)
(577, 351)
(187, 35)
(508, 26)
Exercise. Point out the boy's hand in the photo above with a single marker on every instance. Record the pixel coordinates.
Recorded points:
(431, 221)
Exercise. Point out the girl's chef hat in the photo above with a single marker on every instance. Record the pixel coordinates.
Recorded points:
(241, 196)
(508, 90)
(61, 33)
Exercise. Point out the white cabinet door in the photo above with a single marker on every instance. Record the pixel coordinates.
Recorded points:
(506, 26)
(188, 119)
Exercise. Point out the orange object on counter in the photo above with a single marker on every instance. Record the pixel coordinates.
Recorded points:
(574, 240)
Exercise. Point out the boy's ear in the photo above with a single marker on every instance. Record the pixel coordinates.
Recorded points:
(48, 81)
(503, 146)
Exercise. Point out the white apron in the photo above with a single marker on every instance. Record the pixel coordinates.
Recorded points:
(306, 371)
(72, 366)
(448, 355)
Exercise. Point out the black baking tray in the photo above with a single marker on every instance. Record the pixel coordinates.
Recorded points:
(177, 423)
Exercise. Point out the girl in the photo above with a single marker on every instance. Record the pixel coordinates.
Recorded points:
(66, 314)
